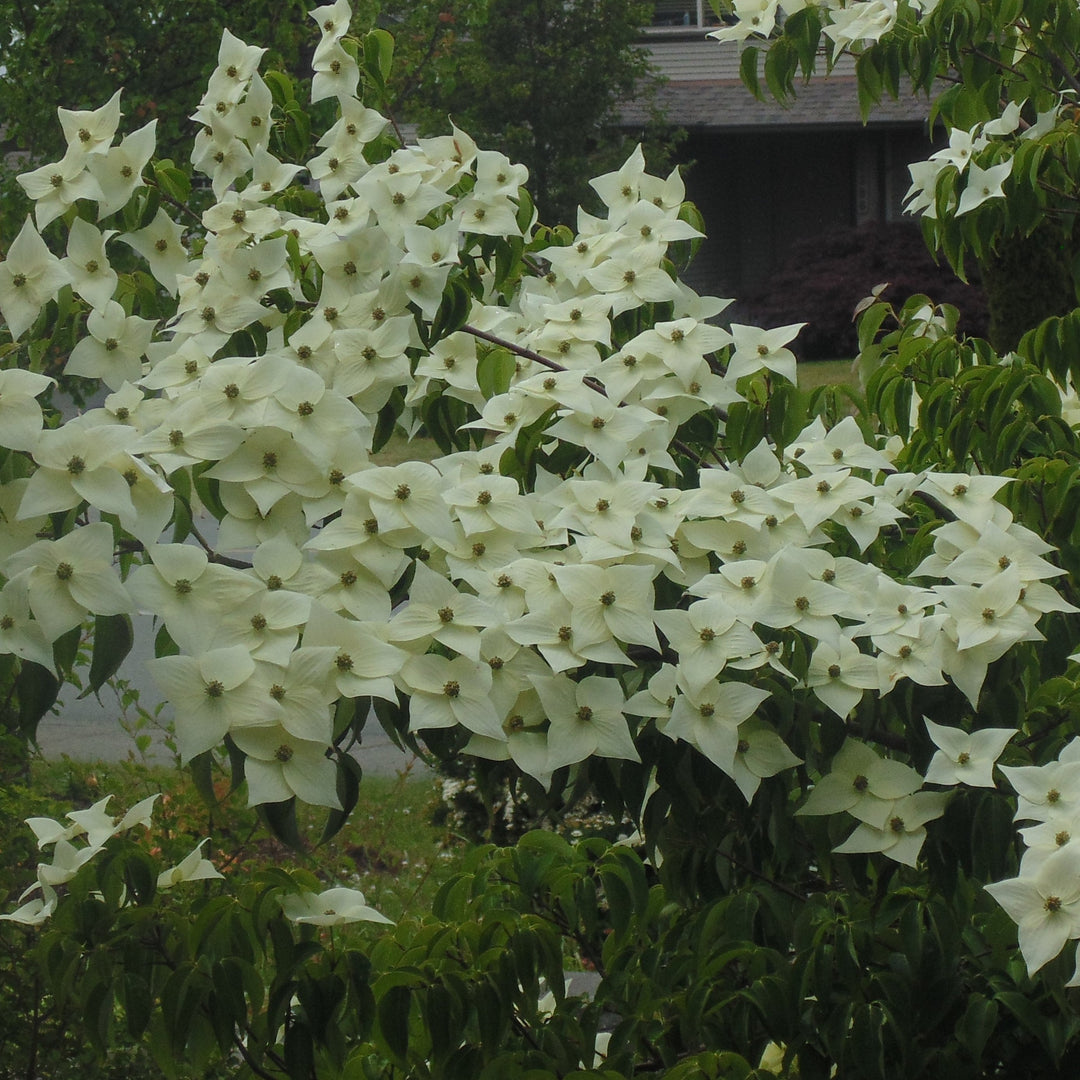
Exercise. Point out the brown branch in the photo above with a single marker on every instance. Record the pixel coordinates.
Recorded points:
(166, 197)
(413, 79)
(882, 738)
(936, 505)
(250, 1061)
(529, 354)
(787, 890)
(225, 560)
(1057, 65)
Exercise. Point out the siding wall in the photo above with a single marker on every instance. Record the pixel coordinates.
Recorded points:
(697, 58)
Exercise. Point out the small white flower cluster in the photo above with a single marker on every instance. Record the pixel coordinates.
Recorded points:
(513, 594)
(1004, 133)
(1044, 898)
(76, 844)
(884, 795)
(847, 22)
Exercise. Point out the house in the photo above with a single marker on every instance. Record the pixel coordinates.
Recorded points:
(765, 174)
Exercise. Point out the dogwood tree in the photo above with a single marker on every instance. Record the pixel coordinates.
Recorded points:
(789, 638)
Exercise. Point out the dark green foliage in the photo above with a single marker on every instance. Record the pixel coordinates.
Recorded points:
(1027, 279)
(540, 80)
(75, 54)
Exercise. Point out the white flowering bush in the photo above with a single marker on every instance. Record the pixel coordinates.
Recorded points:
(790, 634)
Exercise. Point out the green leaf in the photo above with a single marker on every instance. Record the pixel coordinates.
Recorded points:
(975, 1027)
(135, 998)
(36, 690)
(140, 875)
(174, 182)
(870, 322)
(748, 71)
(280, 819)
(393, 1021)
(113, 639)
(869, 83)
(1024, 1010)
(494, 370)
(201, 767)
(281, 87)
(349, 773)
(66, 649)
(803, 29)
(452, 312)
(299, 1052)
(379, 45)
(780, 63)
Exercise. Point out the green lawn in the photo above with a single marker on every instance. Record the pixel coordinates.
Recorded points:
(814, 373)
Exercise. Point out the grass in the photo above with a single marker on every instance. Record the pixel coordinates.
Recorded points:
(400, 449)
(813, 373)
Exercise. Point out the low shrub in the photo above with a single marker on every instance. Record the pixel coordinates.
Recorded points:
(823, 277)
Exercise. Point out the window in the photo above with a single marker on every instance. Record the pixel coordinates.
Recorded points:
(676, 13)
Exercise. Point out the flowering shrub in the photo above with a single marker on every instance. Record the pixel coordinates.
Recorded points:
(645, 563)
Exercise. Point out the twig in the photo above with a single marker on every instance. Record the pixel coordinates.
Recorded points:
(166, 197)
(529, 354)
(225, 560)
(787, 890)
(936, 505)
(250, 1061)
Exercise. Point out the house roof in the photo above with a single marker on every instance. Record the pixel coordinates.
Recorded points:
(820, 103)
(703, 92)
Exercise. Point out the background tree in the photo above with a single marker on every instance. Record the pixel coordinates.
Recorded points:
(539, 80)
(75, 54)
